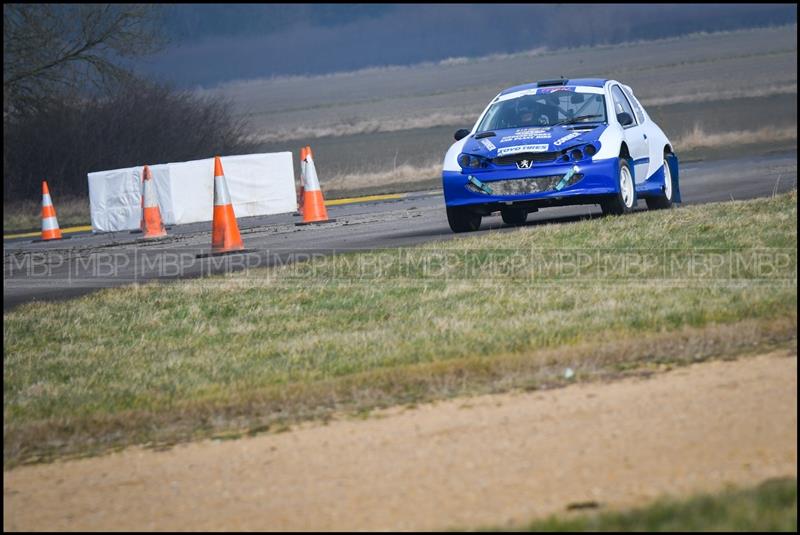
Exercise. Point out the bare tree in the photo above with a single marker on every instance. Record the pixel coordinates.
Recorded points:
(49, 49)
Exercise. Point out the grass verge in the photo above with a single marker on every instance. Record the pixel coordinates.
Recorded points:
(771, 506)
(698, 138)
(253, 351)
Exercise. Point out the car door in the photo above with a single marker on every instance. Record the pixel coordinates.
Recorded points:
(635, 135)
(655, 137)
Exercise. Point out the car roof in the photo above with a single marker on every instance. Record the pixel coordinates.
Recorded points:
(590, 82)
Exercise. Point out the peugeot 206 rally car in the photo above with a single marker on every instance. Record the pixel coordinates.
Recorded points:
(556, 143)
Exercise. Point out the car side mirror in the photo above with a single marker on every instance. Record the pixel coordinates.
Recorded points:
(461, 134)
(625, 118)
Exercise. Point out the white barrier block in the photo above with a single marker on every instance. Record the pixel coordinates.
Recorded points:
(260, 184)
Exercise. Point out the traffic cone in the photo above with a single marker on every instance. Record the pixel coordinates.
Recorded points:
(225, 237)
(50, 229)
(152, 226)
(314, 210)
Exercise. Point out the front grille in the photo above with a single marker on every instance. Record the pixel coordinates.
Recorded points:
(525, 186)
(535, 157)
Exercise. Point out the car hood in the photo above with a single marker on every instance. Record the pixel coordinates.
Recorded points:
(532, 139)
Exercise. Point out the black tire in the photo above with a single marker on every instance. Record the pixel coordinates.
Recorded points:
(514, 215)
(663, 201)
(617, 205)
(463, 219)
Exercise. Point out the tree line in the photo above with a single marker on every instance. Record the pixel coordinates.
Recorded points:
(70, 105)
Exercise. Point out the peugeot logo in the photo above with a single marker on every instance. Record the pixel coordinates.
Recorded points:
(524, 164)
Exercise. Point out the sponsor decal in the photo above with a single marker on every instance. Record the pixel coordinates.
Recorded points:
(566, 138)
(488, 144)
(522, 148)
(526, 133)
(544, 90)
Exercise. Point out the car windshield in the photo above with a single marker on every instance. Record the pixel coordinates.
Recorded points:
(545, 108)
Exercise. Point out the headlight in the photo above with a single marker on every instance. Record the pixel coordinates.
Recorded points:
(578, 153)
(467, 161)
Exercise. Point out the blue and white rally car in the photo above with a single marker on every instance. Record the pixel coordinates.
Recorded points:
(556, 143)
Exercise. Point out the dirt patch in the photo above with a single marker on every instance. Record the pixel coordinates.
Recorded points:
(469, 462)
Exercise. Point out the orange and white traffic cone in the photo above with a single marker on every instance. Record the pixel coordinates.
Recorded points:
(314, 210)
(152, 225)
(50, 228)
(225, 237)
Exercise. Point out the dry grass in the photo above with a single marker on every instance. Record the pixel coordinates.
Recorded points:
(699, 138)
(352, 127)
(724, 94)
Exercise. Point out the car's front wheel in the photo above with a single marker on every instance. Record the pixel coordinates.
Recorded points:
(665, 200)
(625, 199)
(462, 219)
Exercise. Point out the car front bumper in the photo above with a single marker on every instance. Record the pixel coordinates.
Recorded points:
(597, 179)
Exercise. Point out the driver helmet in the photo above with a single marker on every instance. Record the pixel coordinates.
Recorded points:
(525, 113)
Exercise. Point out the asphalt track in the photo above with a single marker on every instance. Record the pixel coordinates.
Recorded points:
(39, 271)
